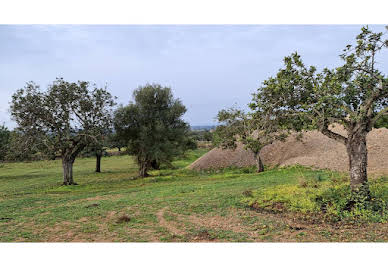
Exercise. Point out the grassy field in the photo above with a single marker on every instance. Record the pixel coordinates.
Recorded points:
(171, 205)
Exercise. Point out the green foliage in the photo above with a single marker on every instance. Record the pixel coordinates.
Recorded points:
(301, 98)
(65, 118)
(22, 150)
(332, 199)
(152, 126)
(4, 141)
(382, 121)
(114, 141)
(201, 135)
(353, 95)
(253, 131)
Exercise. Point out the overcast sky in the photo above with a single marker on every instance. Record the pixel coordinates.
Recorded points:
(207, 67)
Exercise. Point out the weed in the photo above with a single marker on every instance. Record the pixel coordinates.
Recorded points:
(248, 193)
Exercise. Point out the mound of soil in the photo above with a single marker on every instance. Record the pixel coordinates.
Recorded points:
(315, 150)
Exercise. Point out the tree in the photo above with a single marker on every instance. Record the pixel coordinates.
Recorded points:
(4, 141)
(251, 130)
(21, 148)
(65, 118)
(114, 141)
(98, 150)
(152, 126)
(201, 135)
(353, 95)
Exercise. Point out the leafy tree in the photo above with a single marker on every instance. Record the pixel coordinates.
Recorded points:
(353, 95)
(21, 148)
(4, 141)
(114, 141)
(251, 130)
(152, 126)
(98, 150)
(201, 135)
(65, 118)
(191, 144)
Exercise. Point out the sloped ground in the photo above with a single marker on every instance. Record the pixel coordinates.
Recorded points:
(315, 150)
(172, 205)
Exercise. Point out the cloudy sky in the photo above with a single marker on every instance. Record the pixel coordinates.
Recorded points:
(207, 67)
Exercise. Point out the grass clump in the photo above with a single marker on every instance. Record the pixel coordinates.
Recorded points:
(329, 199)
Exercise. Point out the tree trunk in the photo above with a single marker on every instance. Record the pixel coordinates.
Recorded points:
(155, 165)
(119, 149)
(98, 162)
(358, 162)
(259, 163)
(143, 167)
(67, 164)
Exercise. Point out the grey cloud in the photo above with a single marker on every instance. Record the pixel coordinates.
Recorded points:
(208, 67)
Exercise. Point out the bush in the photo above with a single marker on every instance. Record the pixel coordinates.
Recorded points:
(331, 200)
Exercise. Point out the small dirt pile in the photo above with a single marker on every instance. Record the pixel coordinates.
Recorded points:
(315, 150)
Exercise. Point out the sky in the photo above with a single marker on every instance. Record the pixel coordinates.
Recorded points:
(208, 67)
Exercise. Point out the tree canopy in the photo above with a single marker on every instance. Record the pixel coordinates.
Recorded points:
(353, 95)
(5, 136)
(65, 118)
(152, 126)
(249, 129)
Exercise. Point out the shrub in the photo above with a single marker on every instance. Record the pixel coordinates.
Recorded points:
(333, 200)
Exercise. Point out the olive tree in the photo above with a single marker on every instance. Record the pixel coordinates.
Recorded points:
(353, 95)
(98, 150)
(114, 141)
(152, 127)
(250, 129)
(5, 135)
(20, 148)
(65, 118)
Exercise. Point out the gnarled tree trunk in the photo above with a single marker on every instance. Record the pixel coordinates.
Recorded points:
(68, 158)
(143, 168)
(358, 162)
(144, 165)
(67, 164)
(259, 163)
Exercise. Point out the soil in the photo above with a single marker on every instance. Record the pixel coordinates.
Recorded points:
(314, 150)
(169, 225)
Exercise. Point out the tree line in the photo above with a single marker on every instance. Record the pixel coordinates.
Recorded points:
(73, 118)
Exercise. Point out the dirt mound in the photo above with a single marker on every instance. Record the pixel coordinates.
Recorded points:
(315, 150)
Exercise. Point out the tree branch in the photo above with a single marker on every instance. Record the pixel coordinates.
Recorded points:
(372, 99)
(379, 114)
(327, 132)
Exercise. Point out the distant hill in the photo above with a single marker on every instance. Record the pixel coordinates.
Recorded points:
(202, 127)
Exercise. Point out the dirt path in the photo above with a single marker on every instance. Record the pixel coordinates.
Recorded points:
(170, 226)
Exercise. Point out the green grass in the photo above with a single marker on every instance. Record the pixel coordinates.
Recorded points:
(171, 205)
(329, 198)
